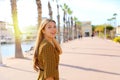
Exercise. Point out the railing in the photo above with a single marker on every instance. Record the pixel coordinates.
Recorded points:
(4, 41)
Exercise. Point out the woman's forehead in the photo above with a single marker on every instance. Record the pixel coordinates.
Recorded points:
(50, 23)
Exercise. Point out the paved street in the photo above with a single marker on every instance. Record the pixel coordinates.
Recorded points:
(82, 59)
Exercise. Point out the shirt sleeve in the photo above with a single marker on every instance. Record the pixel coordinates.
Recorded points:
(49, 61)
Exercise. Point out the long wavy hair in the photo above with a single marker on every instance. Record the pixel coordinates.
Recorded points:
(40, 37)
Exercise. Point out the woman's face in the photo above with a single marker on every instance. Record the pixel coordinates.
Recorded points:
(50, 30)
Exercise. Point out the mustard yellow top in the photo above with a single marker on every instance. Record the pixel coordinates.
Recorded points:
(48, 59)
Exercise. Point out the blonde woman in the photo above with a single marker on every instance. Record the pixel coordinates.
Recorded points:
(47, 51)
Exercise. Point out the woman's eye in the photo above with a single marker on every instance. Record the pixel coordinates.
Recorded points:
(52, 27)
(49, 27)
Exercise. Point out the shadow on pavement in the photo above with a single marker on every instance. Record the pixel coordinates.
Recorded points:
(88, 69)
(19, 69)
(92, 54)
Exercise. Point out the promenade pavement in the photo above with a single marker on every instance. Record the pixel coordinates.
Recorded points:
(82, 59)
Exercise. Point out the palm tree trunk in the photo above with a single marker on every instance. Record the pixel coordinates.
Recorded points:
(64, 28)
(72, 28)
(50, 10)
(39, 9)
(75, 30)
(69, 29)
(18, 49)
(58, 18)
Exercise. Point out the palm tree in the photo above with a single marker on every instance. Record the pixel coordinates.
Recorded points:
(114, 18)
(58, 20)
(69, 21)
(72, 28)
(58, 17)
(18, 49)
(78, 28)
(64, 8)
(115, 14)
(109, 20)
(39, 9)
(50, 10)
(75, 19)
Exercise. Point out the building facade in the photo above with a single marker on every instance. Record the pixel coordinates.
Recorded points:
(86, 29)
(118, 30)
(6, 33)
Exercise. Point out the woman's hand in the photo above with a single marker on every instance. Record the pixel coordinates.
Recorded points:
(50, 78)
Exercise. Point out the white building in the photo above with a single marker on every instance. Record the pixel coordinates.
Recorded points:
(86, 29)
(118, 30)
(6, 33)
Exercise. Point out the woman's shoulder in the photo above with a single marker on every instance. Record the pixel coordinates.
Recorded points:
(45, 44)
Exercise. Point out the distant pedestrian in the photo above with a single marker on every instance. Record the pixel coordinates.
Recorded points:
(47, 51)
(80, 36)
(92, 35)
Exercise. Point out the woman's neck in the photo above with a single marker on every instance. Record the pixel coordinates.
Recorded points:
(48, 39)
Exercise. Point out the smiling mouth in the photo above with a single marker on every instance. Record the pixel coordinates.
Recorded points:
(53, 33)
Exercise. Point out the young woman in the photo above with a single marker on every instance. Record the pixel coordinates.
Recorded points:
(47, 51)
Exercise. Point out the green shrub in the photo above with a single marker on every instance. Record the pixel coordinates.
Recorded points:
(116, 39)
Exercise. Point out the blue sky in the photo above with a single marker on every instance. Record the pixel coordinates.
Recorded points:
(96, 11)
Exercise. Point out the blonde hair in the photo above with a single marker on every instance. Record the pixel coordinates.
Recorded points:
(39, 39)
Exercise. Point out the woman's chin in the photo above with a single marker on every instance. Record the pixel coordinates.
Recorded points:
(53, 36)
